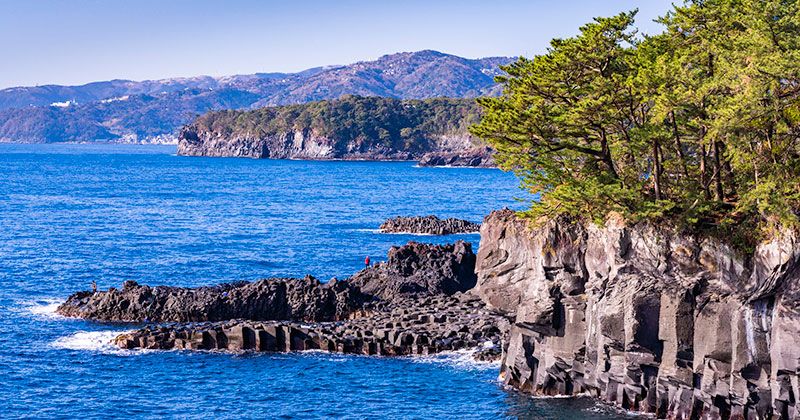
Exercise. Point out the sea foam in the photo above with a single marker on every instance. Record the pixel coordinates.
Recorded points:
(98, 341)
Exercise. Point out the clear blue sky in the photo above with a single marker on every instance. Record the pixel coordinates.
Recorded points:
(78, 41)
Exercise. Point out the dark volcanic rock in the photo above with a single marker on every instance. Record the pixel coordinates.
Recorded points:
(412, 326)
(411, 304)
(430, 225)
(419, 269)
(646, 317)
(270, 299)
(480, 157)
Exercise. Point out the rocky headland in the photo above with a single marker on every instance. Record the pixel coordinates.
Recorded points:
(428, 225)
(646, 317)
(349, 128)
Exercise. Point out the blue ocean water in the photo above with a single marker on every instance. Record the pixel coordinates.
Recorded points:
(71, 214)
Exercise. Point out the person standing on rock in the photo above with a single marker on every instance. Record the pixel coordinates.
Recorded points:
(94, 286)
(366, 262)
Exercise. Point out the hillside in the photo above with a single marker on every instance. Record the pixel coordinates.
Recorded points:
(121, 110)
(352, 127)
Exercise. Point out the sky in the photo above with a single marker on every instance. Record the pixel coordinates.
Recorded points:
(80, 41)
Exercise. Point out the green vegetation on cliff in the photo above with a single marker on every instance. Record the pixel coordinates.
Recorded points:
(699, 124)
(400, 124)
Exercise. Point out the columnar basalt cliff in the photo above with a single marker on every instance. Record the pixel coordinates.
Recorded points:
(645, 317)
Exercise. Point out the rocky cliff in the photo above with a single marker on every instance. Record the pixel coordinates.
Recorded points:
(646, 317)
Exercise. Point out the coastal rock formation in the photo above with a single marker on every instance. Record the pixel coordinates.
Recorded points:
(430, 225)
(412, 326)
(419, 269)
(269, 299)
(480, 157)
(646, 317)
(417, 302)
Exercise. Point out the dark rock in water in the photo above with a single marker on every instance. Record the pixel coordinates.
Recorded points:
(430, 225)
(270, 299)
(481, 157)
(646, 317)
(419, 269)
(411, 270)
(411, 304)
(409, 327)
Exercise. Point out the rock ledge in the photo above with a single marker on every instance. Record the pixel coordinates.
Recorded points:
(429, 225)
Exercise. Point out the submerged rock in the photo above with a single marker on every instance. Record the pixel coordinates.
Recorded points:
(646, 317)
(430, 225)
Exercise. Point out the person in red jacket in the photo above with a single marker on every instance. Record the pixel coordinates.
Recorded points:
(366, 262)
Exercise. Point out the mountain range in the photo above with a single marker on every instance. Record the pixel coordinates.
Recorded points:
(155, 110)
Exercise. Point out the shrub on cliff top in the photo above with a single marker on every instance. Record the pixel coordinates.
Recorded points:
(699, 124)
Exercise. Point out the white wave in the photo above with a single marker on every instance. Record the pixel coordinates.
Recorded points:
(45, 308)
(462, 359)
(367, 230)
(603, 407)
(98, 341)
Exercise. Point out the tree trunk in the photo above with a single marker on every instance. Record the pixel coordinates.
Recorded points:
(704, 166)
(718, 192)
(679, 145)
(656, 169)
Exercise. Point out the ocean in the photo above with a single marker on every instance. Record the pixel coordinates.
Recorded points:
(72, 214)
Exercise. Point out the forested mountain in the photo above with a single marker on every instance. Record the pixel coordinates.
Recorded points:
(135, 111)
(352, 127)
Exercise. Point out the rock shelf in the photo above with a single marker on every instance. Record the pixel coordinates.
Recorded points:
(428, 225)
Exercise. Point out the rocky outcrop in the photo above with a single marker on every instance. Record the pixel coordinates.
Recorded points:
(417, 302)
(408, 327)
(418, 269)
(646, 317)
(480, 157)
(429, 225)
(269, 299)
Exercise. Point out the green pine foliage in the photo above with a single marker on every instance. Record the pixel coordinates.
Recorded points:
(698, 125)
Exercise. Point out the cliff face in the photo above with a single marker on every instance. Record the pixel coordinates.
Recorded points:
(304, 144)
(646, 318)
